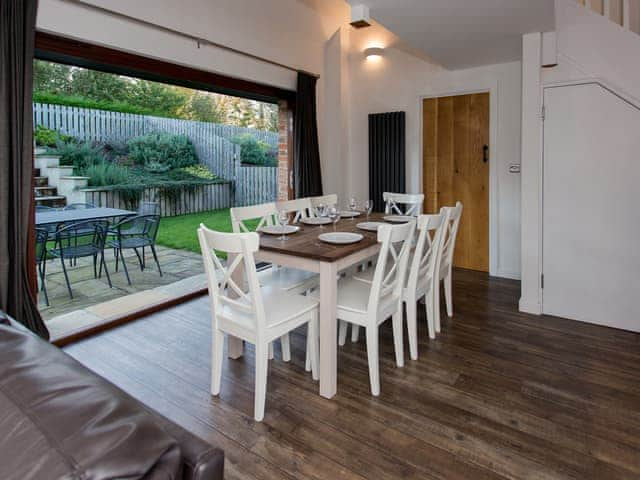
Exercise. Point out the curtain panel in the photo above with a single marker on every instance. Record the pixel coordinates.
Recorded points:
(307, 170)
(17, 36)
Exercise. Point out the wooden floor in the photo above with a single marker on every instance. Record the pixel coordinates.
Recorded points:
(499, 394)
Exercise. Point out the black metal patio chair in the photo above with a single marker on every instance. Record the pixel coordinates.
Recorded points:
(79, 240)
(136, 233)
(42, 236)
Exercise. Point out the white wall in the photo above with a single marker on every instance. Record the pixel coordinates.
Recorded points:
(398, 82)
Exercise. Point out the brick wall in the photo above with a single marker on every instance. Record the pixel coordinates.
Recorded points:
(284, 130)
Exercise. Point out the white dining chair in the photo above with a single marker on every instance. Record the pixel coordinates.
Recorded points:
(330, 200)
(255, 314)
(300, 207)
(446, 264)
(369, 303)
(422, 269)
(403, 203)
(288, 279)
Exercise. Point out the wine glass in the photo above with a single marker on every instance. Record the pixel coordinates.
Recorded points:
(283, 219)
(368, 206)
(353, 206)
(334, 216)
(321, 212)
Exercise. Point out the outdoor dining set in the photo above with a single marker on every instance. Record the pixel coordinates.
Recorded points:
(328, 269)
(83, 230)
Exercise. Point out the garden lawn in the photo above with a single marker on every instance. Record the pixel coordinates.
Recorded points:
(180, 232)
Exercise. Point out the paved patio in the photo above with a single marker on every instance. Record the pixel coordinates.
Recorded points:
(177, 265)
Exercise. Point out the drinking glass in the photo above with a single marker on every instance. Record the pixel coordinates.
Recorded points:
(368, 206)
(334, 216)
(283, 219)
(321, 212)
(353, 206)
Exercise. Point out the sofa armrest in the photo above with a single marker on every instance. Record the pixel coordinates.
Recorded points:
(201, 461)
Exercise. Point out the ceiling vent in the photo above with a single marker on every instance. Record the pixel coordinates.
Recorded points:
(360, 16)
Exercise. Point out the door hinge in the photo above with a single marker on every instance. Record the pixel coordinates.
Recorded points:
(542, 281)
(543, 114)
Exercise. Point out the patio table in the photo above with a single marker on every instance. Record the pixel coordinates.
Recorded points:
(79, 215)
(303, 250)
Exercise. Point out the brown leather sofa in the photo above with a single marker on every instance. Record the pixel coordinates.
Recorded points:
(60, 420)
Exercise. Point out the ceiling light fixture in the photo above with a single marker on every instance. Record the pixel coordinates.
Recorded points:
(373, 53)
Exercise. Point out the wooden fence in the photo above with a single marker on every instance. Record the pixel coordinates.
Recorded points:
(256, 185)
(199, 198)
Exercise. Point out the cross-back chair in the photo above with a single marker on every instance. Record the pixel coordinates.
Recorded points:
(255, 314)
(454, 214)
(409, 204)
(300, 207)
(368, 303)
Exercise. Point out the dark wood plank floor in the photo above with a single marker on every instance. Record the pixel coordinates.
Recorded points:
(498, 395)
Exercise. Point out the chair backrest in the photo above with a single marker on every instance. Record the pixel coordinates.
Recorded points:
(330, 200)
(426, 256)
(70, 236)
(403, 203)
(227, 295)
(450, 233)
(148, 208)
(139, 226)
(300, 206)
(263, 213)
(390, 272)
(42, 235)
(79, 206)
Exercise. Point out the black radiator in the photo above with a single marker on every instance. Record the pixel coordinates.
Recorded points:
(386, 155)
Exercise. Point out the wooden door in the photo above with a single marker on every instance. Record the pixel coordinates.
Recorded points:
(456, 168)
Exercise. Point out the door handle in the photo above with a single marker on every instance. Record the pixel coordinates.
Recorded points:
(485, 153)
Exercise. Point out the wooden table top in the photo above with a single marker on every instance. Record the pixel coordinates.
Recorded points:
(305, 243)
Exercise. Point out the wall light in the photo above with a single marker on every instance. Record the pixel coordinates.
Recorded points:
(374, 53)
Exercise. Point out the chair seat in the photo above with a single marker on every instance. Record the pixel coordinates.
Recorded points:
(353, 298)
(134, 242)
(279, 306)
(72, 251)
(288, 279)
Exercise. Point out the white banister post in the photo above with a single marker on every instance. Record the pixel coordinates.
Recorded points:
(587, 3)
(626, 10)
(606, 9)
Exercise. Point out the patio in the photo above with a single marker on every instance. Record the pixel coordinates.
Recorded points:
(88, 291)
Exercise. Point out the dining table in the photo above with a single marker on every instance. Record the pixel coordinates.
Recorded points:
(57, 217)
(305, 251)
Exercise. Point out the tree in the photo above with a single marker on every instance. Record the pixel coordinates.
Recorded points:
(99, 85)
(50, 77)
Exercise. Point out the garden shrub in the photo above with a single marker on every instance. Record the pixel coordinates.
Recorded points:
(195, 171)
(80, 155)
(157, 167)
(176, 151)
(47, 137)
(255, 152)
(104, 173)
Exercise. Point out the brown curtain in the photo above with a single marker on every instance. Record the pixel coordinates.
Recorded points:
(306, 168)
(17, 36)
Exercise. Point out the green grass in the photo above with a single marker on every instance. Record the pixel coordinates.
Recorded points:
(180, 232)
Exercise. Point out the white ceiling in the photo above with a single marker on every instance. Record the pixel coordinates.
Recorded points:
(464, 33)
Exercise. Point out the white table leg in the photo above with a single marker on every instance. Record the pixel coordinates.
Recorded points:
(235, 346)
(328, 329)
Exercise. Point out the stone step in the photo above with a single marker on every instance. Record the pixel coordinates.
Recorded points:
(41, 181)
(56, 201)
(46, 191)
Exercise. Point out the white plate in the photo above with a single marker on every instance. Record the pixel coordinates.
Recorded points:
(278, 230)
(349, 214)
(398, 218)
(340, 238)
(315, 221)
(369, 226)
